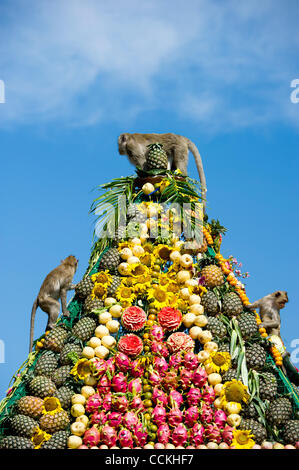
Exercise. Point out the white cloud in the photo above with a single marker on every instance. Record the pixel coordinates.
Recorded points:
(83, 61)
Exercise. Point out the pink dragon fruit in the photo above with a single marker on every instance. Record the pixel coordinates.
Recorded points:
(160, 364)
(135, 386)
(157, 332)
(154, 378)
(107, 402)
(99, 366)
(93, 403)
(175, 360)
(159, 348)
(110, 366)
(122, 362)
(140, 435)
(119, 383)
(170, 380)
(220, 418)
(98, 417)
(197, 434)
(208, 394)
(175, 399)
(120, 404)
(136, 370)
(159, 397)
(212, 433)
(193, 396)
(227, 434)
(190, 361)
(115, 419)
(125, 438)
(130, 420)
(104, 385)
(206, 414)
(174, 417)
(108, 436)
(163, 434)
(186, 378)
(137, 403)
(179, 435)
(191, 416)
(159, 415)
(92, 436)
(200, 377)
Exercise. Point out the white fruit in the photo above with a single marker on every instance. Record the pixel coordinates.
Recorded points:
(101, 351)
(94, 342)
(110, 301)
(188, 319)
(74, 442)
(136, 241)
(78, 399)
(186, 261)
(137, 250)
(152, 211)
(126, 253)
(234, 419)
(211, 346)
(143, 229)
(218, 403)
(197, 309)
(104, 317)
(178, 244)
(88, 352)
(232, 407)
(90, 380)
(212, 445)
(77, 428)
(77, 410)
(101, 331)
(108, 342)
(214, 379)
(218, 388)
(148, 188)
(204, 336)
(194, 299)
(115, 311)
(191, 283)
(133, 260)
(203, 356)
(175, 256)
(144, 237)
(185, 293)
(83, 419)
(195, 331)
(87, 391)
(201, 320)
(113, 326)
(223, 445)
(123, 269)
(183, 276)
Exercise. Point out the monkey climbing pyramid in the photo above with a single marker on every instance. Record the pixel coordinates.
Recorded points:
(160, 349)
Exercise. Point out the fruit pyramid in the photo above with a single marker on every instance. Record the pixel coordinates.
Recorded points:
(160, 349)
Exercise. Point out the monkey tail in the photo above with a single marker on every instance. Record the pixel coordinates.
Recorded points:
(194, 150)
(33, 312)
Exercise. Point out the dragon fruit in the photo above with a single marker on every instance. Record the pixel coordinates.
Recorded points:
(191, 416)
(122, 362)
(108, 435)
(130, 420)
(227, 434)
(115, 419)
(199, 377)
(98, 417)
(160, 364)
(175, 399)
(159, 348)
(99, 366)
(163, 433)
(159, 397)
(120, 404)
(140, 435)
(136, 370)
(137, 403)
(119, 383)
(170, 380)
(92, 436)
(107, 402)
(179, 435)
(110, 366)
(135, 386)
(125, 438)
(93, 403)
(104, 385)
(157, 332)
(197, 434)
(190, 361)
(212, 433)
(220, 418)
(159, 415)
(175, 360)
(186, 378)
(154, 378)
(174, 417)
(208, 394)
(206, 414)
(193, 396)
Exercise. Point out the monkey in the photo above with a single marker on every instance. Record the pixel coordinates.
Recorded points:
(269, 308)
(55, 286)
(175, 146)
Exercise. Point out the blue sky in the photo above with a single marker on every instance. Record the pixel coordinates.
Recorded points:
(78, 73)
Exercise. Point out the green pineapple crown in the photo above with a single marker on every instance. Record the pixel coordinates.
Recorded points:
(155, 146)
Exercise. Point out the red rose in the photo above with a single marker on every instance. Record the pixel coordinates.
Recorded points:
(180, 342)
(130, 344)
(133, 318)
(170, 318)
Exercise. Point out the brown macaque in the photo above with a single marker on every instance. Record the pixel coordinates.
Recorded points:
(175, 146)
(269, 310)
(54, 287)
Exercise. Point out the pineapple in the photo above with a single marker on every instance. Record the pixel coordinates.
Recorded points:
(157, 157)
(216, 327)
(84, 287)
(231, 374)
(55, 339)
(60, 375)
(57, 441)
(23, 426)
(110, 260)
(67, 349)
(279, 411)
(247, 324)
(64, 395)
(92, 304)
(116, 281)
(257, 429)
(268, 386)
(290, 432)
(255, 357)
(42, 387)
(46, 364)
(84, 329)
(54, 422)
(16, 442)
(249, 411)
(213, 276)
(210, 303)
(231, 304)
(30, 406)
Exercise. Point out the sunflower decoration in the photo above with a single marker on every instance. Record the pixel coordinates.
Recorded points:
(138, 269)
(162, 252)
(143, 283)
(242, 439)
(147, 259)
(181, 304)
(51, 406)
(218, 361)
(148, 247)
(39, 437)
(160, 297)
(99, 291)
(234, 391)
(82, 369)
(125, 244)
(126, 295)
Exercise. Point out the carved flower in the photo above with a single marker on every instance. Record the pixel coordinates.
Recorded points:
(130, 344)
(133, 318)
(170, 318)
(180, 342)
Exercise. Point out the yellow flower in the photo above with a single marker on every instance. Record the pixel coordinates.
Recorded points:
(160, 297)
(234, 391)
(51, 406)
(163, 185)
(218, 361)
(82, 369)
(102, 277)
(125, 295)
(180, 304)
(242, 439)
(163, 252)
(99, 291)
(138, 269)
(147, 259)
(39, 437)
(126, 244)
